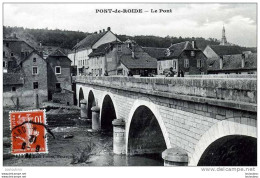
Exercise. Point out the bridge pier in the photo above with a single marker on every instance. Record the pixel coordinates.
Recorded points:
(95, 118)
(83, 110)
(175, 157)
(119, 136)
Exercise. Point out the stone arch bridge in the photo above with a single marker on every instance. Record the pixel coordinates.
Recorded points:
(212, 120)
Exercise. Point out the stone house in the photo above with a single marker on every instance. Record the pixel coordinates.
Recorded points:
(81, 50)
(39, 80)
(245, 63)
(118, 58)
(59, 77)
(18, 47)
(218, 51)
(29, 86)
(226, 59)
(34, 71)
(183, 56)
(9, 60)
(12, 87)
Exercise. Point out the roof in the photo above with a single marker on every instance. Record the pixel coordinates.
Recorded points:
(12, 79)
(177, 49)
(36, 52)
(89, 41)
(226, 50)
(232, 62)
(12, 38)
(58, 53)
(142, 60)
(155, 52)
(16, 39)
(102, 49)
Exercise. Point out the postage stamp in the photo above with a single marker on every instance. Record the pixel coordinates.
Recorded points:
(28, 132)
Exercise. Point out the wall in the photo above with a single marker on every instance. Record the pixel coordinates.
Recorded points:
(64, 78)
(210, 53)
(29, 94)
(19, 46)
(97, 65)
(193, 69)
(108, 37)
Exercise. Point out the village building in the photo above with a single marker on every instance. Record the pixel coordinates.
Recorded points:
(230, 60)
(184, 56)
(28, 87)
(218, 51)
(39, 80)
(119, 58)
(245, 63)
(9, 60)
(59, 78)
(81, 50)
(18, 47)
(12, 88)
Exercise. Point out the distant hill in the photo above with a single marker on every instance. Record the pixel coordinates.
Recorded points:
(58, 38)
(67, 39)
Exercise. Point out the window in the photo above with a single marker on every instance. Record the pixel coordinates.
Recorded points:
(160, 65)
(119, 48)
(26, 53)
(202, 73)
(199, 63)
(174, 65)
(192, 53)
(12, 54)
(34, 70)
(4, 54)
(35, 85)
(7, 45)
(58, 86)
(186, 63)
(34, 59)
(13, 88)
(57, 70)
(4, 64)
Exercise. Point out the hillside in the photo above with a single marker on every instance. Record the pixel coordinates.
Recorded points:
(67, 39)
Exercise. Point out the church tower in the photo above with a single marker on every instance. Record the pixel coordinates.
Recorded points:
(224, 39)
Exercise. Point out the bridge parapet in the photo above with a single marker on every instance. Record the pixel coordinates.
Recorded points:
(238, 93)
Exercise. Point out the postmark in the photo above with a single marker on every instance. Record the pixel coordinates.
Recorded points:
(28, 132)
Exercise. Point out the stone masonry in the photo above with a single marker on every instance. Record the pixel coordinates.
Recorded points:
(192, 112)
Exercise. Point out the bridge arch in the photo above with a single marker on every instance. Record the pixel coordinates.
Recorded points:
(229, 135)
(142, 115)
(81, 95)
(107, 112)
(91, 103)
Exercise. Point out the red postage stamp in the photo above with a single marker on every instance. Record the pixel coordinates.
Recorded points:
(28, 132)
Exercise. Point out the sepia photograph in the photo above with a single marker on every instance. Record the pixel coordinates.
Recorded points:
(130, 84)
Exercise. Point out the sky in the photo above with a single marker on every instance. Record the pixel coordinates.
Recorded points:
(186, 20)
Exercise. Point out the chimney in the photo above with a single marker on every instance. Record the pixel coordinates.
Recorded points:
(104, 30)
(193, 44)
(14, 35)
(100, 31)
(243, 60)
(221, 62)
(40, 44)
(108, 29)
(133, 54)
